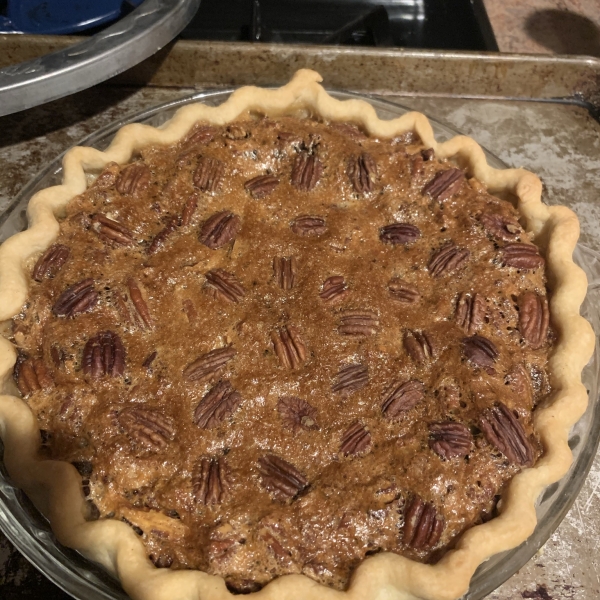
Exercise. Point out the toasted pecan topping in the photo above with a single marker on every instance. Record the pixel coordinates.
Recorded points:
(470, 312)
(401, 398)
(449, 439)
(32, 376)
(208, 364)
(217, 404)
(261, 186)
(209, 174)
(359, 322)
(133, 178)
(355, 440)
(77, 298)
(284, 270)
(403, 291)
(219, 229)
(104, 355)
(224, 285)
(297, 414)
(209, 480)
(289, 347)
(399, 233)
(306, 172)
(51, 262)
(522, 256)
(534, 318)
(444, 184)
(308, 226)
(146, 426)
(281, 478)
(362, 171)
(480, 351)
(111, 231)
(423, 527)
(448, 259)
(351, 378)
(334, 289)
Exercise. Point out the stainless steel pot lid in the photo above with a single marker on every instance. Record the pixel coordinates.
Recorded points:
(117, 48)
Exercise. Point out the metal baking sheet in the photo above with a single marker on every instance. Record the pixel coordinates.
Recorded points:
(535, 112)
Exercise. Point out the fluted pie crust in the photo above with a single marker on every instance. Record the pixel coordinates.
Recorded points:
(55, 487)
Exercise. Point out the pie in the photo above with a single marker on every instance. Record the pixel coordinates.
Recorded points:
(282, 341)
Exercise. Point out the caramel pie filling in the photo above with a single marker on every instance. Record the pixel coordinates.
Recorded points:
(281, 346)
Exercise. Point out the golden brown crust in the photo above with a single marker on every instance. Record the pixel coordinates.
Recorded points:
(55, 487)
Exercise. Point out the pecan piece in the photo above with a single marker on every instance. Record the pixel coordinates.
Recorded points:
(423, 527)
(447, 259)
(362, 171)
(189, 208)
(147, 426)
(503, 430)
(502, 228)
(358, 322)
(399, 233)
(199, 137)
(161, 237)
(297, 414)
(104, 354)
(111, 231)
(209, 174)
(307, 225)
(217, 404)
(480, 351)
(402, 291)
(285, 270)
(402, 398)
(470, 312)
(225, 285)
(334, 289)
(208, 364)
(289, 348)
(108, 177)
(261, 186)
(444, 184)
(281, 478)
(133, 178)
(209, 480)
(449, 439)
(306, 172)
(138, 302)
(355, 440)
(522, 256)
(418, 345)
(534, 318)
(351, 378)
(219, 229)
(51, 262)
(32, 376)
(76, 299)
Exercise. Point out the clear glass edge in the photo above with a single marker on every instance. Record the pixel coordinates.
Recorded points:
(84, 580)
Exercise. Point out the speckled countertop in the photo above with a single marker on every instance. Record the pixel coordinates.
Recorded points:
(546, 26)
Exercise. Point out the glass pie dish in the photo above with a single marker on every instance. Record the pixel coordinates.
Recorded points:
(29, 532)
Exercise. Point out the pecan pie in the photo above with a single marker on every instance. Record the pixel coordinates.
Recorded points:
(286, 345)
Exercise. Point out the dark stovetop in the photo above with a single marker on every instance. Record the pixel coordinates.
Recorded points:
(434, 24)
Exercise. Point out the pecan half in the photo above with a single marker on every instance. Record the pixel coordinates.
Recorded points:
(209, 174)
(348, 130)
(32, 376)
(189, 208)
(307, 225)
(423, 527)
(261, 186)
(161, 237)
(201, 136)
(138, 302)
(351, 378)
(209, 480)
(402, 398)
(502, 228)
(534, 318)
(399, 233)
(285, 270)
(289, 347)
(444, 184)
(403, 291)
(219, 229)
(362, 171)
(224, 285)
(418, 345)
(147, 426)
(111, 231)
(217, 404)
(297, 414)
(281, 478)
(76, 299)
(448, 259)
(355, 440)
(104, 354)
(470, 312)
(334, 289)
(51, 262)
(358, 322)
(208, 364)
(449, 439)
(133, 178)
(480, 351)
(522, 256)
(306, 172)
(504, 431)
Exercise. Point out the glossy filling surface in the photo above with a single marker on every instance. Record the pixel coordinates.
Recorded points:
(282, 346)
